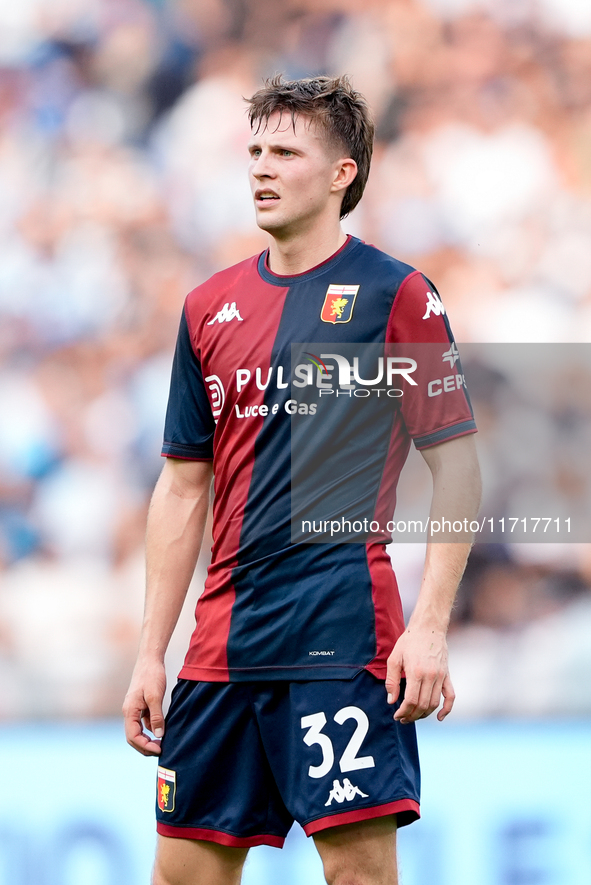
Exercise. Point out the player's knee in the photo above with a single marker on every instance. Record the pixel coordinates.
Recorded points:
(193, 862)
(160, 876)
(357, 878)
(339, 873)
(229, 876)
(165, 873)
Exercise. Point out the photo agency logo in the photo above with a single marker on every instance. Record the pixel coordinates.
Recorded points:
(347, 374)
(530, 403)
(372, 373)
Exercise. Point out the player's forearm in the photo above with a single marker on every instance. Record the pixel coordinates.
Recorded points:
(176, 522)
(456, 498)
(444, 567)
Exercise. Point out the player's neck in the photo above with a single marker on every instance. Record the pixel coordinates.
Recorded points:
(299, 254)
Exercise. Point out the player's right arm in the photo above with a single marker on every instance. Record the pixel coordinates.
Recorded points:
(176, 522)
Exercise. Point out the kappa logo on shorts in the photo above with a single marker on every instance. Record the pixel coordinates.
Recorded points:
(338, 304)
(166, 789)
(348, 791)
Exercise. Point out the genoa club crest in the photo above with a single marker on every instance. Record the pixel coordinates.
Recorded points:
(338, 304)
(166, 788)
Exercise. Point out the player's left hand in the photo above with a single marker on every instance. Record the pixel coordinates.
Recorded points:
(142, 708)
(421, 654)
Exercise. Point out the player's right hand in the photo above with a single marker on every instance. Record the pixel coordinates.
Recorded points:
(142, 708)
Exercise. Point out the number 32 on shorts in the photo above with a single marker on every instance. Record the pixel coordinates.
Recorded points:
(349, 761)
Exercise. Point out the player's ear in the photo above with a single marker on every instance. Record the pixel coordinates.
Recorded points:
(344, 174)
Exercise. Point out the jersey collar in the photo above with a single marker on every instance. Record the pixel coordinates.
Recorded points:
(279, 280)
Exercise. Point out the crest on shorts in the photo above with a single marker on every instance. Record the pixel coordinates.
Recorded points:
(166, 788)
(338, 304)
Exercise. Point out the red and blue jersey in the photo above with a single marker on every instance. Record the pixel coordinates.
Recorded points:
(275, 606)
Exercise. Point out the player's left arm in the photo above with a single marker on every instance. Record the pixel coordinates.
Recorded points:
(421, 652)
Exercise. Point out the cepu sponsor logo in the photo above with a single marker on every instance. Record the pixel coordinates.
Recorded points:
(452, 355)
(445, 385)
(450, 382)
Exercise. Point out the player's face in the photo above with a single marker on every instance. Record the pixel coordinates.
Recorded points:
(294, 175)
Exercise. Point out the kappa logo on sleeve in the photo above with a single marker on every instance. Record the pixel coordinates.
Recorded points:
(166, 789)
(338, 304)
(434, 305)
(227, 313)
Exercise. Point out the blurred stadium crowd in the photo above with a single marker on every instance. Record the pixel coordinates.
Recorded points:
(123, 185)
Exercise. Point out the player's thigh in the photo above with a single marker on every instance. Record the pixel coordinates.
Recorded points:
(196, 862)
(362, 853)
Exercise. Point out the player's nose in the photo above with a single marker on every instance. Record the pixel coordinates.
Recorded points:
(262, 167)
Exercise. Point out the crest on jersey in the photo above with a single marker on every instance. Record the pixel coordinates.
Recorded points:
(338, 304)
(166, 788)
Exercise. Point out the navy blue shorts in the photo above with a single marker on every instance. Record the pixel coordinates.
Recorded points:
(241, 761)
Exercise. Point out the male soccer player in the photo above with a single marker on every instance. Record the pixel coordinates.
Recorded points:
(291, 703)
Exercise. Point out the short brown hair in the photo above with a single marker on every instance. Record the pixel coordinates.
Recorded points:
(333, 103)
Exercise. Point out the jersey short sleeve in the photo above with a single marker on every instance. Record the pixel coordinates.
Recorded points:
(189, 426)
(436, 407)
